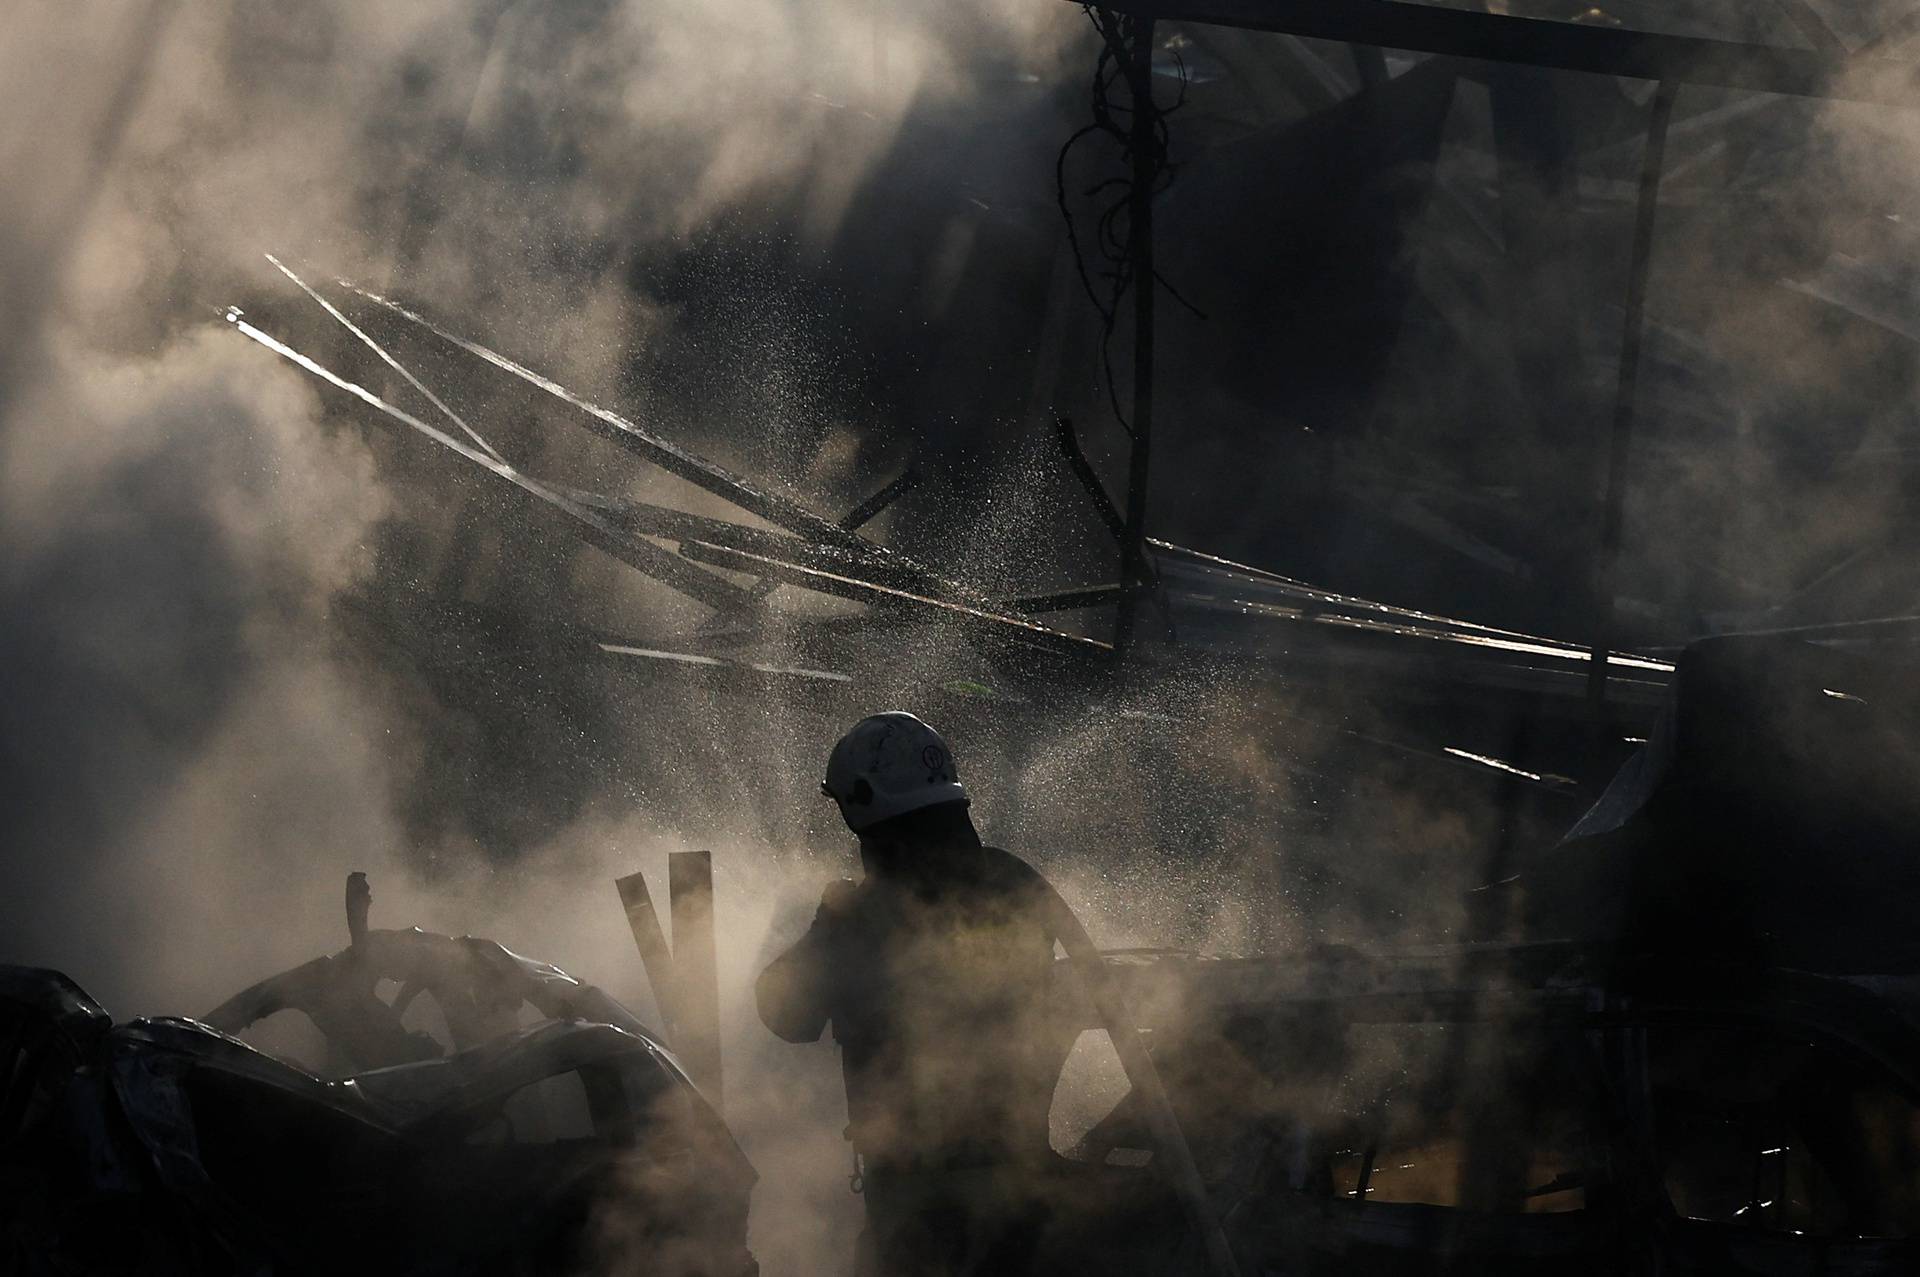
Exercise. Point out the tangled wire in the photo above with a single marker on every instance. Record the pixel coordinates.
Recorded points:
(1113, 107)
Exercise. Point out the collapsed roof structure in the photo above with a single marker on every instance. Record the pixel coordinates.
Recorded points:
(551, 1130)
(1211, 606)
(1583, 110)
(1470, 600)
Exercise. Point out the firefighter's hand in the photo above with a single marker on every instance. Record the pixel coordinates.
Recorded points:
(836, 899)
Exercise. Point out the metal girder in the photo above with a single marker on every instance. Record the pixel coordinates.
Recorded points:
(1065, 600)
(1083, 471)
(1613, 511)
(1116, 525)
(854, 519)
(865, 512)
(1143, 154)
(666, 454)
(991, 624)
(589, 525)
(380, 351)
(648, 519)
(822, 558)
(760, 672)
(1267, 596)
(1564, 46)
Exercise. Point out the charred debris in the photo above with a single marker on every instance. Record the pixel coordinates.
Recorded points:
(552, 1131)
(1714, 1069)
(1494, 640)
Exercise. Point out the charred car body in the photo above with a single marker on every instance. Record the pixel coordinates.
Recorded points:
(1715, 1067)
(169, 1145)
(1525, 1109)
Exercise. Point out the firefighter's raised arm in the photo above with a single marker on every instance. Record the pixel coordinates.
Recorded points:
(794, 993)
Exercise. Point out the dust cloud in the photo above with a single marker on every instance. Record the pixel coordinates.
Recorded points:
(183, 517)
(196, 742)
(214, 707)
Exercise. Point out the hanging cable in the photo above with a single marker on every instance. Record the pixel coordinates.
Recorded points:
(1109, 277)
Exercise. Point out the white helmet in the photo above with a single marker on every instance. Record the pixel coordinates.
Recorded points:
(888, 765)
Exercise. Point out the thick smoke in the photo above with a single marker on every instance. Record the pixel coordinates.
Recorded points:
(216, 705)
(198, 743)
(182, 515)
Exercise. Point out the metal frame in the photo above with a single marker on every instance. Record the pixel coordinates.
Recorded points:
(1826, 71)
(1563, 46)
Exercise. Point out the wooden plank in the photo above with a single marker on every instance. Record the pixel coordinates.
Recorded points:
(652, 943)
(696, 969)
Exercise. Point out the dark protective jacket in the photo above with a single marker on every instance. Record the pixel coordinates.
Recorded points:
(937, 984)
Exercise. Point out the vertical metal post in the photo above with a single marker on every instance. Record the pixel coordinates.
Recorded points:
(1537, 164)
(695, 969)
(359, 905)
(1140, 248)
(1371, 62)
(1652, 162)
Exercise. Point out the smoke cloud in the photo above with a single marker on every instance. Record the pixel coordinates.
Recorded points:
(221, 690)
(208, 718)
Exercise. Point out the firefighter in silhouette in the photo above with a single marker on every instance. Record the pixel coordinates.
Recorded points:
(934, 972)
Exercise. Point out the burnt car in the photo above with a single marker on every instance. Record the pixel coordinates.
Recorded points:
(1536, 1108)
(558, 1135)
(1498, 1109)
(1693, 1045)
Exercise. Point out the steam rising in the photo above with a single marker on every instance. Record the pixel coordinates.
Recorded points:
(197, 743)
(214, 707)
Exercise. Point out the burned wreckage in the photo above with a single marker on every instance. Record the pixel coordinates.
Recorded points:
(1739, 1095)
(1685, 1037)
(1714, 1067)
(557, 1135)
